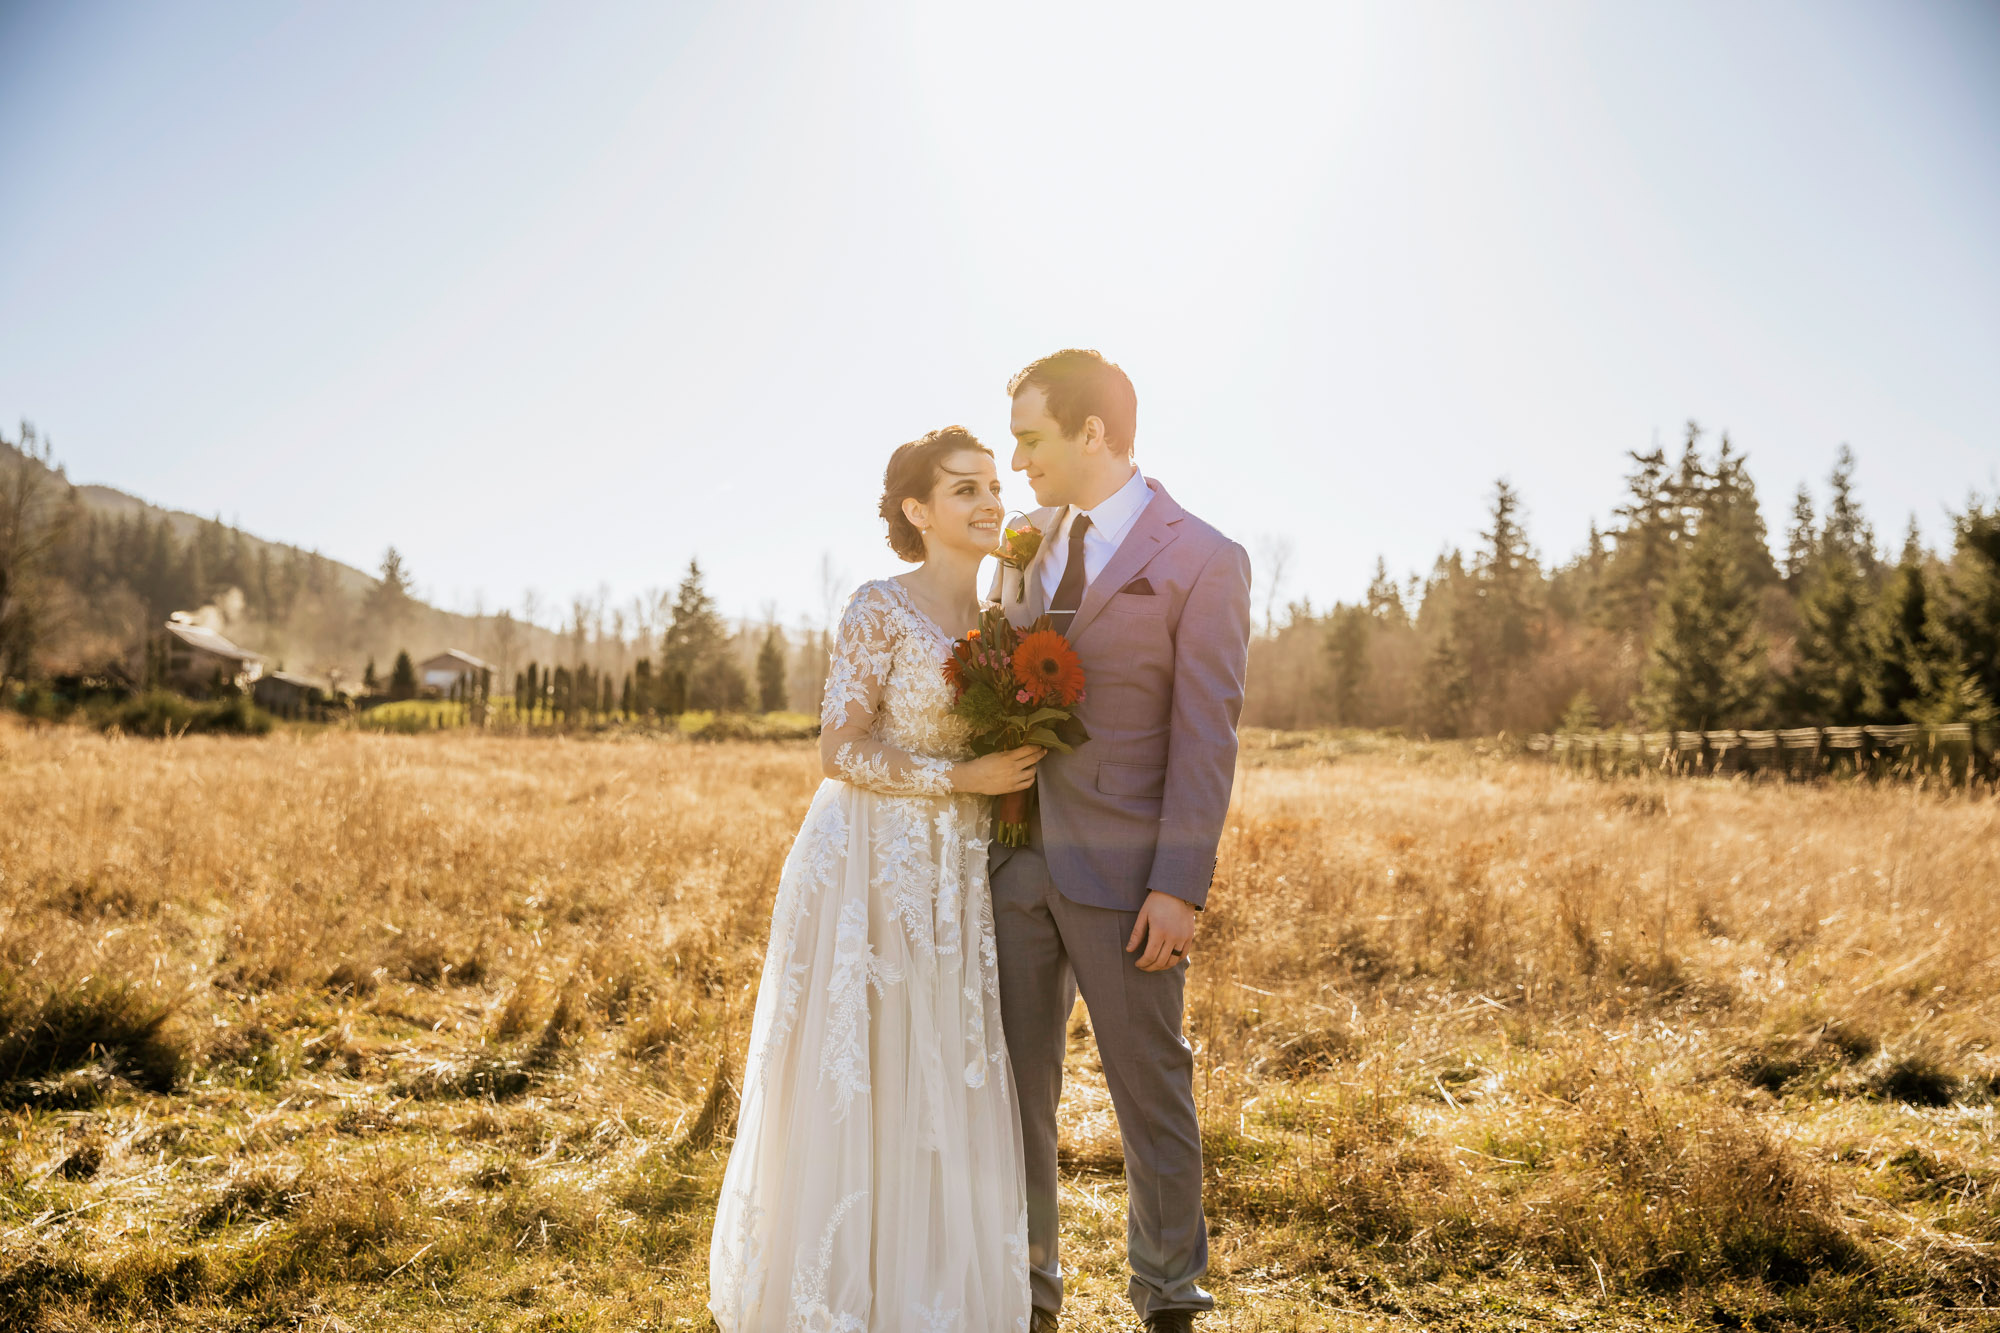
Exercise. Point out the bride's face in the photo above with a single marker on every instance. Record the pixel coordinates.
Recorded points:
(964, 512)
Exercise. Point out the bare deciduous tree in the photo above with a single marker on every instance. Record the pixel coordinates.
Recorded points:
(833, 590)
(1274, 553)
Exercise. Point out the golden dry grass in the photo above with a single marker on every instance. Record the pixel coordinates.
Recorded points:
(361, 1031)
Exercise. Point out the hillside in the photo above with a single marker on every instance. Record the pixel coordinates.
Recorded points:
(121, 564)
(114, 504)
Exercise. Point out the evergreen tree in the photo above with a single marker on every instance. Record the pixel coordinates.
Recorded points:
(1574, 588)
(625, 698)
(771, 672)
(1801, 539)
(700, 672)
(1730, 500)
(1486, 624)
(1705, 662)
(236, 562)
(403, 677)
(389, 602)
(1643, 546)
(721, 685)
(1445, 619)
(1829, 685)
(527, 706)
(1347, 644)
(369, 683)
(1690, 490)
(1581, 715)
(1956, 696)
(673, 692)
(1847, 530)
(159, 574)
(1965, 621)
(1448, 682)
(190, 583)
(263, 599)
(1902, 659)
(1508, 577)
(642, 686)
(1384, 598)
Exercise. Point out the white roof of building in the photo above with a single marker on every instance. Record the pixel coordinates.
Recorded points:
(208, 641)
(454, 660)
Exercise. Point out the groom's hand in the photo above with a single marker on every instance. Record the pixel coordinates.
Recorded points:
(1165, 928)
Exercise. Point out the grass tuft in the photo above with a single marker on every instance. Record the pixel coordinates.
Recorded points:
(56, 1029)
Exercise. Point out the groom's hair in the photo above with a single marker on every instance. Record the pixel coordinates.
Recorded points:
(1079, 383)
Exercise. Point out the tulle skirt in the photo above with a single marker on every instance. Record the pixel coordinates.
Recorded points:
(876, 1183)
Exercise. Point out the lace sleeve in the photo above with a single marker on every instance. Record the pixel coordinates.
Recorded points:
(856, 675)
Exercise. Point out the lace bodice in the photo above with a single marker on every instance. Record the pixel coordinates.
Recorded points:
(886, 721)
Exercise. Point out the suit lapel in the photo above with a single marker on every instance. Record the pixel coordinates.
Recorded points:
(1153, 533)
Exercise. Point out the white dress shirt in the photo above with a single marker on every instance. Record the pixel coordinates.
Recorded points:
(1109, 522)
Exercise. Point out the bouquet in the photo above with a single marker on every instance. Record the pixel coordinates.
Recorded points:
(1017, 549)
(1013, 689)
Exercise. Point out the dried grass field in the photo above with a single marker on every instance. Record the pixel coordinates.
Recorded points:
(356, 1031)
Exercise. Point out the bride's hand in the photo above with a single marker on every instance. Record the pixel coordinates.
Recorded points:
(998, 774)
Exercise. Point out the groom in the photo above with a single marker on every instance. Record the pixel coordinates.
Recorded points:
(1104, 897)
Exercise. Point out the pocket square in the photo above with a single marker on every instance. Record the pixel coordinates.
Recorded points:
(1137, 588)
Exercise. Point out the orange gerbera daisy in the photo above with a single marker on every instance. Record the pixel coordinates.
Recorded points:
(1048, 669)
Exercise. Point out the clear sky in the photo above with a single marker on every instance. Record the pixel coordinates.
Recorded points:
(554, 296)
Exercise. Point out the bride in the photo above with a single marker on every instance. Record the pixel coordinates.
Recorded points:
(876, 1181)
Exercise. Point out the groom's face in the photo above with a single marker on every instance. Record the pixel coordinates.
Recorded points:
(1054, 462)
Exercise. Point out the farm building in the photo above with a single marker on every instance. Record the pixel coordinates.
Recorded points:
(289, 695)
(194, 659)
(440, 673)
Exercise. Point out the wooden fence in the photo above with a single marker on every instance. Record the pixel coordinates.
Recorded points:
(1956, 753)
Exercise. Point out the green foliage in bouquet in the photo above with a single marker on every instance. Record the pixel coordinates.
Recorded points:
(1013, 689)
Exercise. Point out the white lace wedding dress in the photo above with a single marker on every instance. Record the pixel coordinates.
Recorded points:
(876, 1182)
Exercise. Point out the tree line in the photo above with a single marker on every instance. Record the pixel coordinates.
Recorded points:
(83, 585)
(1676, 615)
(700, 668)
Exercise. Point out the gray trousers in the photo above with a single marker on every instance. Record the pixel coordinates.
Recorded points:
(1049, 946)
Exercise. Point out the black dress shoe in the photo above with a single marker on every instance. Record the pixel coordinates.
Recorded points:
(1042, 1321)
(1170, 1321)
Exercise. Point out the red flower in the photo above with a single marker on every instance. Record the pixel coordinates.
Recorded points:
(1048, 669)
(954, 674)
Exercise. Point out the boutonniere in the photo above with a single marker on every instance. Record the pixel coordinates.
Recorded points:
(1018, 546)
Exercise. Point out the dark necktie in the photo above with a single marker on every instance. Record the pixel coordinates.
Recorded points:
(1069, 592)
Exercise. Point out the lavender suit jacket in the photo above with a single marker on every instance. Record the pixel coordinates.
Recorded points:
(1164, 634)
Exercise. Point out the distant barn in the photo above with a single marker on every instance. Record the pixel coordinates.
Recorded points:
(193, 659)
(440, 673)
(289, 695)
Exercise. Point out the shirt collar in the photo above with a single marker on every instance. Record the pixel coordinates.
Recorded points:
(1114, 514)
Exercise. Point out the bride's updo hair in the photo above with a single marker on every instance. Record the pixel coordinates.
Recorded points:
(913, 475)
